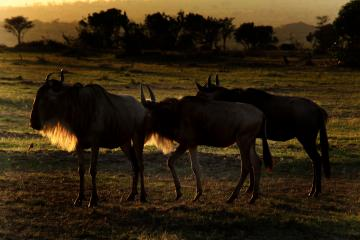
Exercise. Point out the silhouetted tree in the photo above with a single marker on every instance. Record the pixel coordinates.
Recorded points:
(211, 33)
(251, 36)
(324, 37)
(103, 29)
(227, 28)
(18, 26)
(192, 29)
(347, 27)
(135, 39)
(162, 29)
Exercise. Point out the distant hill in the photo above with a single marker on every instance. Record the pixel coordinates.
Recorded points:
(298, 31)
(42, 30)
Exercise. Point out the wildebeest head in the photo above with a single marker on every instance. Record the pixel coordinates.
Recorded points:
(45, 101)
(216, 92)
(162, 120)
(211, 91)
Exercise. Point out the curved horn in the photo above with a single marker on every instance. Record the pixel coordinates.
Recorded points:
(62, 75)
(143, 100)
(48, 76)
(217, 82)
(152, 95)
(209, 80)
(199, 87)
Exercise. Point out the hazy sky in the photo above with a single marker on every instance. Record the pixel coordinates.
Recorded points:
(274, 12)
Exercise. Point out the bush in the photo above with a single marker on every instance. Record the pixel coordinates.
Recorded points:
(41, 46)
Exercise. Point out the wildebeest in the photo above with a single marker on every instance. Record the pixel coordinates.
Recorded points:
(192, 121)
(79, 117)
(287, 118)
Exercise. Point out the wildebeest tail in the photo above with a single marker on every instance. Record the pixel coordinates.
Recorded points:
(266, 151)
(324, 144)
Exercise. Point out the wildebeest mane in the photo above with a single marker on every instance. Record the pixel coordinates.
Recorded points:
(74, 112)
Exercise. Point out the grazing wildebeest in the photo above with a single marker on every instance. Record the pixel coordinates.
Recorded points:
(79, 117)
(192, 121)
(287, 118)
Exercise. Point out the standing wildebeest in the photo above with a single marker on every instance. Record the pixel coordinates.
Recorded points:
(192, 121)
(287, 118)
(79, 117)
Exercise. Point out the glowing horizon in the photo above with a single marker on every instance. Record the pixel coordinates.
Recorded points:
(275, 12)
(27, 3)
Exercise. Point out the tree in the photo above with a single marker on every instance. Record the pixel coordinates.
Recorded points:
(227, 28)
(135, 39)
(18, 26)
(192, 31)
(245, 35)
(162, 29)
(324, 37)
(255, 37)
(104, 29)
(211, 33)
(347, 27)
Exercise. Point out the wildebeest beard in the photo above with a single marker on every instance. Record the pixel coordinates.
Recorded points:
(73, 115)
(164, 122)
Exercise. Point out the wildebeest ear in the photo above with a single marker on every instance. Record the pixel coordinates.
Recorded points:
(217, 82)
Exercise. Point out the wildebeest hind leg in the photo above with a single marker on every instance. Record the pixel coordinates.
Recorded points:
(80, 197)
(93, 170)
(195, 166)
(245, 169)
(250, 189)
(130, 154)
(256, 170)
(170, 162)
(310, 148)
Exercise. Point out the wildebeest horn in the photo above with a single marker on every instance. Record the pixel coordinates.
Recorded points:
(209, 80)
(62, 75)
(48, 76)
(217, 82)
(152, 95)
(143, 100)
(199, 86)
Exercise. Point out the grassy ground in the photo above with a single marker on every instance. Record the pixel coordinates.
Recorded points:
(37, 186)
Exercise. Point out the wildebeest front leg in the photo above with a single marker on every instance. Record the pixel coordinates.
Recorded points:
(80, 196)
(138, 145)
(175, 155)
(93, 170)
(130, 153)
(195, 166)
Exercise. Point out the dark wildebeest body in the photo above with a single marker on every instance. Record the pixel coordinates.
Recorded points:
(79, 117)
(192, 121)
(287, 118)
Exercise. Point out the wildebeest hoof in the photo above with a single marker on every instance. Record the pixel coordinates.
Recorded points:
(253, 199)
(78, 201)
(230, 199)
(197, 196)
(131, 197)
(249, 190)
(143, 199)
(178, 195)
(93, 201)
